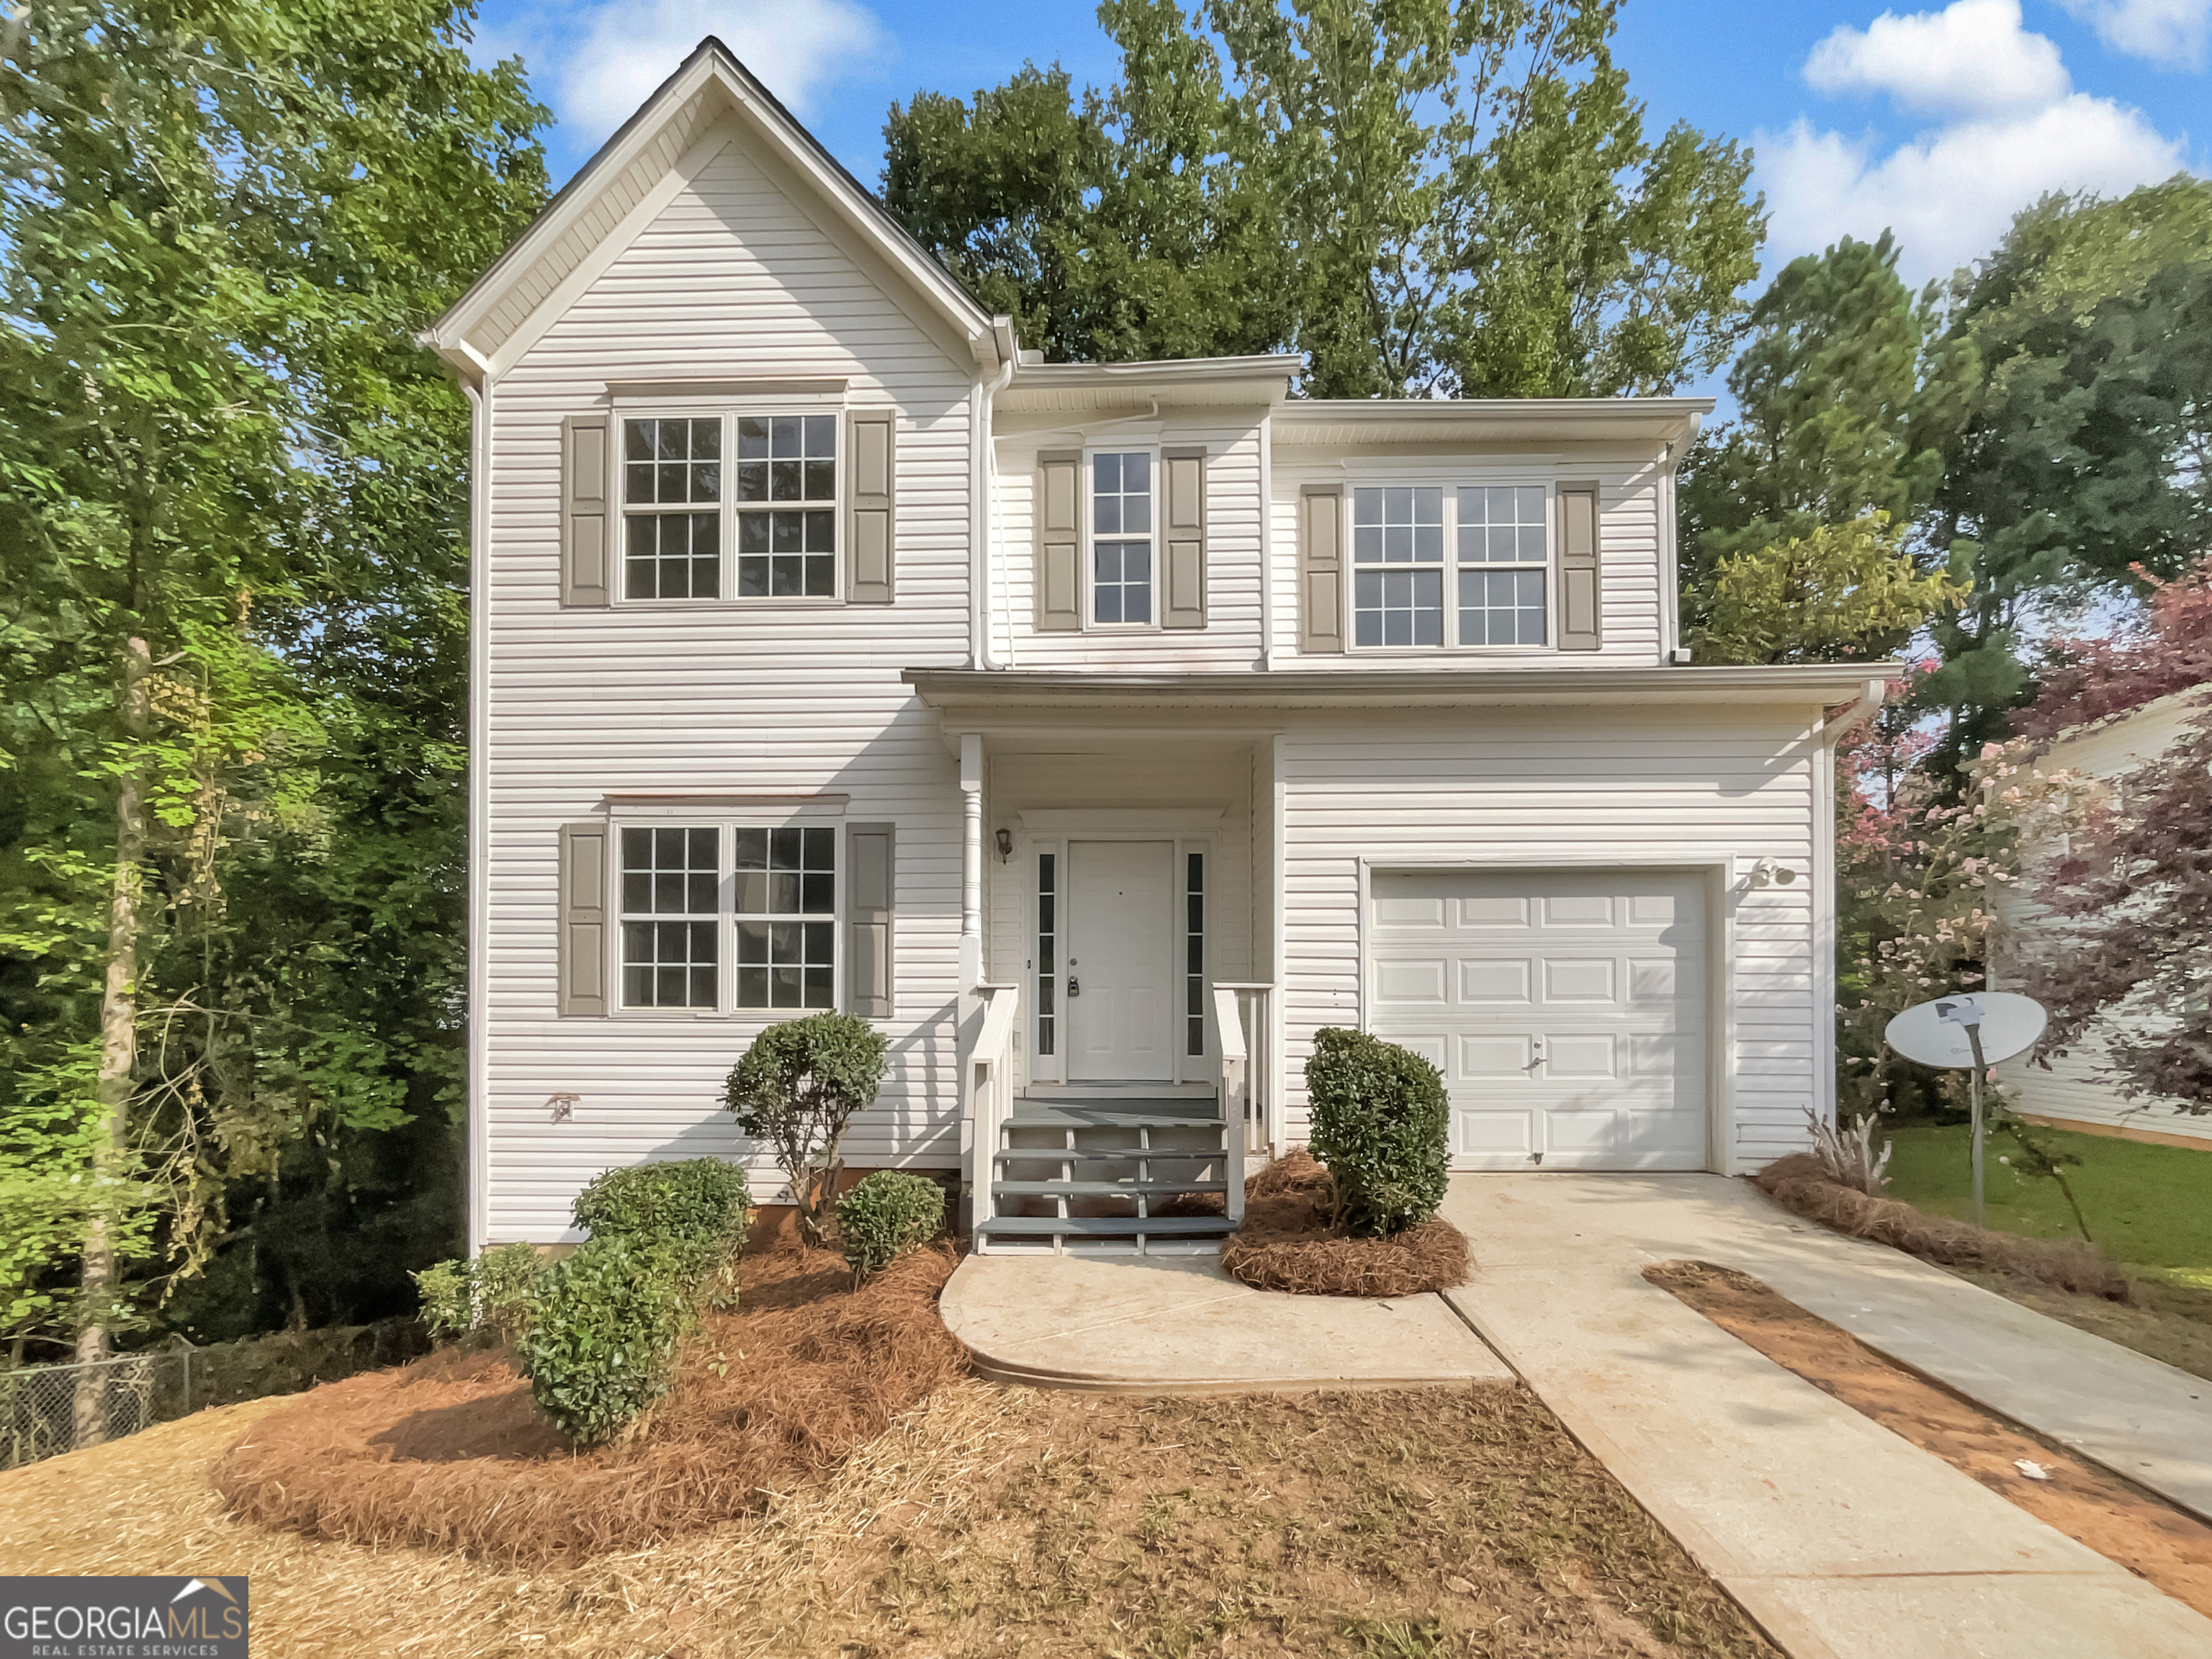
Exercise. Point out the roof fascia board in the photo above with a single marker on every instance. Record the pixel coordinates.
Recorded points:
(596, 264)
(574, 199)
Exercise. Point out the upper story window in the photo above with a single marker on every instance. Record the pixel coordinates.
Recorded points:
(786, 505)
(671, 509)
(1121, 537)
(1500, 562)
(676, 538)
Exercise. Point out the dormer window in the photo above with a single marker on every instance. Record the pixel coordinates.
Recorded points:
(1121, 537)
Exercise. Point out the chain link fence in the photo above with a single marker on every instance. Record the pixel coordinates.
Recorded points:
(47, 1410)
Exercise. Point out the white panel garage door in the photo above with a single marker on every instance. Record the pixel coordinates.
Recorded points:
(1566, 1010)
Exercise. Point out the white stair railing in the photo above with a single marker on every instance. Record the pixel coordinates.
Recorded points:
(1244, 1011)
(987, 1089)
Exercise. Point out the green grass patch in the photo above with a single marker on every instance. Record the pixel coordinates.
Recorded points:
(2147, 1205)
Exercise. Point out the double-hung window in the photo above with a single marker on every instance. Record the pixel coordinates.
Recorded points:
(1121, 537)
(1398, 565)
(678, 504)
(672, 508)
(1504, 556)
(1450, 566)
(760, 899)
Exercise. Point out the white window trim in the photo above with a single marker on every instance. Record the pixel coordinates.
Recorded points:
(1451, 481)
(727, 410)
(1149, 447)
(827, 817)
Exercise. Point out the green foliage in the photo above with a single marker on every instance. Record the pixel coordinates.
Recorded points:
(1438, 196)
(1844, 393)
(605, 1333)
(886, 1215)
(796, 1088)
(232, 641)
(2081, 454)
(1842, 591)
(1381, 1122)
(494, 1292)
(703, 1199)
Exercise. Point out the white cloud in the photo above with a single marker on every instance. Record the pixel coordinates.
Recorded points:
(1950, 193)
(2163, 31)
(1971, 55)
(2007, 128)
(596, 65)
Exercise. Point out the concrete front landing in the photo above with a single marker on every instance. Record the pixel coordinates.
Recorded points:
(1179, 1325)
(1843, 1540)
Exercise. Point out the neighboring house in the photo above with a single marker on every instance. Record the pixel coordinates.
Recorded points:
(1100, 732)
(2078, 1092)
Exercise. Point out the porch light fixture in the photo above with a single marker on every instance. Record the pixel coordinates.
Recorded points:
(1005, 839)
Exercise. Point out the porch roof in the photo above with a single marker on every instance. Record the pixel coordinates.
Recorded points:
(1809, 686)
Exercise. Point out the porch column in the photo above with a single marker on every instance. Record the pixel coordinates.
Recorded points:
(971, 861)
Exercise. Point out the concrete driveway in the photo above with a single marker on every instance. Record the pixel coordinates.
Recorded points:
(1843, 1540)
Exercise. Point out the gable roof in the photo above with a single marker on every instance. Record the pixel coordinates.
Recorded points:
(636, 163)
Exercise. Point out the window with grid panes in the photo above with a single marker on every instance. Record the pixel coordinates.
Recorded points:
(672, 914)
(1503, 554)
(672, 508)
(786, 901)
(1398, 565)
(786, 505)
(1121, 537)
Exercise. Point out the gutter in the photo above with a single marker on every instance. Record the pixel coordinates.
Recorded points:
(1859, 710)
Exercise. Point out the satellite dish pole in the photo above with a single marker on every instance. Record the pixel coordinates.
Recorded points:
(1929, 1032)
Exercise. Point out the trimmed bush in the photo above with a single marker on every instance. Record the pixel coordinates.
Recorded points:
(699, 1200)
(606, 1328)
(1381, 1123)
(886, 1215)
(491, 1293)
(797, 1087)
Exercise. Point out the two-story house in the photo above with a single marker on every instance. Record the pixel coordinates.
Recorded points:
(1100, 732)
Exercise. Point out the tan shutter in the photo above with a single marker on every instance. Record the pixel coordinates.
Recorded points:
(1059, 543)
(585, 510)
(584, 849)
(869, 475)
(871, 868)
(1579, 628)
(1321, 569)
(1182, 525)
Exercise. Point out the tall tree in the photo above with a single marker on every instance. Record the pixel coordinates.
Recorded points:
(2084, 451)
(1450, 197)
(232, 532)
(1844, 393)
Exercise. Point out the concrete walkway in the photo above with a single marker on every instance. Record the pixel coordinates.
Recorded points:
(1841, 1539)
(1179, 1325)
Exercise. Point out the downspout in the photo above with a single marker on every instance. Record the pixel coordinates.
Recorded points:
(1267, 541)
(983, 468)
(1670, 605)
(478, 389)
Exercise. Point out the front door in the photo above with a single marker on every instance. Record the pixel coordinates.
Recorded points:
(1120, 903)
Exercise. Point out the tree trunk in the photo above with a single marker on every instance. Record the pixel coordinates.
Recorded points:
(118, 1059)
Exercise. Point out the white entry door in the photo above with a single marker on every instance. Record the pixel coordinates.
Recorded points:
(1121, 900)
(1566, 1010)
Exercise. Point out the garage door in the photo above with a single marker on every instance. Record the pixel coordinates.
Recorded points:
(1566, 1010)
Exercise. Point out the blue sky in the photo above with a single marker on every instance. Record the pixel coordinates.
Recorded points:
(1941, 122)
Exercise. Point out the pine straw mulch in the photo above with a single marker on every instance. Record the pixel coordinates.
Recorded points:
(1799, 1184)
(1449, 1521)
(451, 1452)
(1285, 1242)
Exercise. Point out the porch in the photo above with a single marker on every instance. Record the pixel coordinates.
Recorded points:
(1115, 1075)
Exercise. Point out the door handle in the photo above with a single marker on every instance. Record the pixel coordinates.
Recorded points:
(1536, 1048)
(1075, 988)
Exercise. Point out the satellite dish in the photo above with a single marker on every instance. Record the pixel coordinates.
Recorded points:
(1943, 1032)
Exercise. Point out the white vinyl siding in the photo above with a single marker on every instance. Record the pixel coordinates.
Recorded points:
(1665, 788)
(732, 280)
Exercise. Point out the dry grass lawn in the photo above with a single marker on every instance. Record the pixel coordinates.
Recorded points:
(991, 1520)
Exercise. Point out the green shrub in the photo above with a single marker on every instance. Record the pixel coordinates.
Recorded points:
(796, 1088)
(607, 1325)
(701, 1201)
(1381, 1123)
(491, 1293)
(886, 1215)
